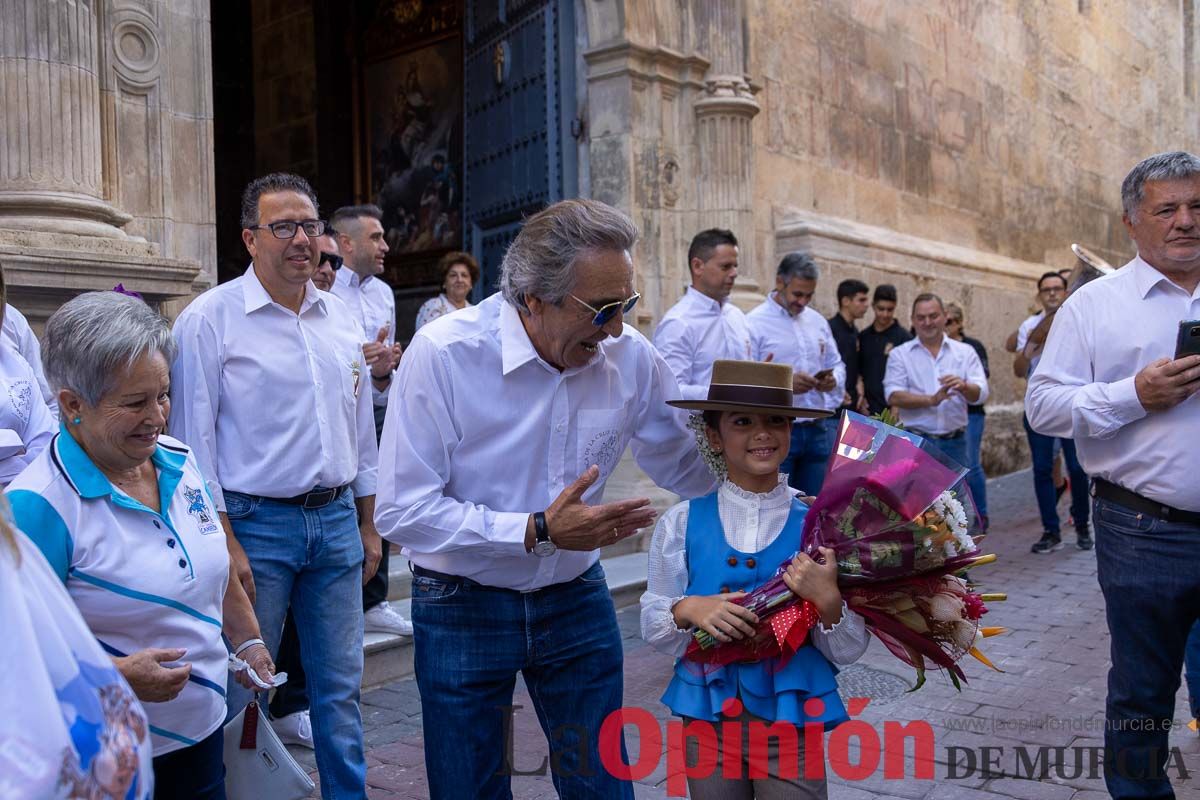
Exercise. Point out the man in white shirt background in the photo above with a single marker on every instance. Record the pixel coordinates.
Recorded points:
(784, 329)
(704, 326)
(268, 389)
(1052, 291)
(505, 420)
(360, 283)
(932, 378)
(1109, 378)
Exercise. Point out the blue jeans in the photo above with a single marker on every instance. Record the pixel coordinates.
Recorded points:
(472, 640)
(976, 480)
(812, 442)
(311, 559)
(1191, 669)
(1149, 572)
(1042, 449)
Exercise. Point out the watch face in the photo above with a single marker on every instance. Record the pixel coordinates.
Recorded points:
(543, 549)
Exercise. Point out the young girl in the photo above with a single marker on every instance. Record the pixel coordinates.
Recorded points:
(710, 550)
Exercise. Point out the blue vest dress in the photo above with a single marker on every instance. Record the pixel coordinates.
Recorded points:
(764, 689)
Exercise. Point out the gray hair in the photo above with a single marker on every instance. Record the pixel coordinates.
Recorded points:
(91, 338)
(797, 265)
(1161, 167)
(540, 262)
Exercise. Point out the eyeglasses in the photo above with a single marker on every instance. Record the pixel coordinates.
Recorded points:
(606, 312)
(286, 229)
(335, 261)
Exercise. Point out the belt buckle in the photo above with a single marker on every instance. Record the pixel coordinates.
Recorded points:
(314, 500)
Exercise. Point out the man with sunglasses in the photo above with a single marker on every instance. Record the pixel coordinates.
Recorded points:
(328, 260)
(704, 326)
(269, 391)
(513, 415)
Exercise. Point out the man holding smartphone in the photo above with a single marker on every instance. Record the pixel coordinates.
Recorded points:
(1110, 379)
(785, 330)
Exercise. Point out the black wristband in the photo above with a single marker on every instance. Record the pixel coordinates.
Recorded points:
(541, 531)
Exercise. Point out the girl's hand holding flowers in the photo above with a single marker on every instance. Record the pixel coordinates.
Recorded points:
(817, 583)
(723, 620)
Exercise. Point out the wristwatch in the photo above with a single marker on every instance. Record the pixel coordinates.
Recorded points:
(542, 546)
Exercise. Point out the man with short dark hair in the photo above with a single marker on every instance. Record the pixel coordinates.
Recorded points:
(932, 378)
(268, 392)
(360, 283)
(704, 326)
(784, 329)
(1031, 337)
(852, 306)
(875, 344)
(1109, 378)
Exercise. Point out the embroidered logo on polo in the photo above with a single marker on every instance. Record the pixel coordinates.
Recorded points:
(20, 394)
(601, 450)
(198, 508)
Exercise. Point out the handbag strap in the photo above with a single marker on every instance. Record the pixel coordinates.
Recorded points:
(250, 727)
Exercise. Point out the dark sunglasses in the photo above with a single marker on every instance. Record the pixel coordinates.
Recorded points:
(606, 312)
(334, 261)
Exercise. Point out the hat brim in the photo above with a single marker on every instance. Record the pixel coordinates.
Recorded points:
(751, 408)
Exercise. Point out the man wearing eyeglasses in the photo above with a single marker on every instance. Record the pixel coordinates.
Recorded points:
(269, 391)
(704, 326)
(505, 421)
(1031, 338)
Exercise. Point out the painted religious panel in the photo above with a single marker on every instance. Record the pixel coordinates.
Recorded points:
(414, 143)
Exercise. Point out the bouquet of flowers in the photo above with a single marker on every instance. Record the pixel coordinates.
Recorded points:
(898, 516)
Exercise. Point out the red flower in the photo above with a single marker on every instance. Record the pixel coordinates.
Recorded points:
(975, 606)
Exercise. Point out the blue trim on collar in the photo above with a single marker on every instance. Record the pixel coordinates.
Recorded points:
(87, 479)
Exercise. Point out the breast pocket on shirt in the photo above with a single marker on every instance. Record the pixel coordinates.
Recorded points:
(600, 439)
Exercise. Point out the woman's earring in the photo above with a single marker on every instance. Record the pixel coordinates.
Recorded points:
(77, 420)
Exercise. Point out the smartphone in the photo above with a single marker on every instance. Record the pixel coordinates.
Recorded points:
(1188, 341)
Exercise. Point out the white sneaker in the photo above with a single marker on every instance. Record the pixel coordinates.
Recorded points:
(294, 729)
(385, 619)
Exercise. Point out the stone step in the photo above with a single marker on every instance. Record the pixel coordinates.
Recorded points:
(388, 658)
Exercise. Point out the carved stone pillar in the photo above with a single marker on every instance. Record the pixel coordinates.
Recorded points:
(68, 156)
(50, 163)
(725, 141)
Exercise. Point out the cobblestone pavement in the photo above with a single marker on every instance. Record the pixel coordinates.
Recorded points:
(1050, 693)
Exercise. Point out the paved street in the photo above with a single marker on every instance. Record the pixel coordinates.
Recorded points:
(1051, 692)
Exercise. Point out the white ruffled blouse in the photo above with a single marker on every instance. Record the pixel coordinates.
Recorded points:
(751, 522)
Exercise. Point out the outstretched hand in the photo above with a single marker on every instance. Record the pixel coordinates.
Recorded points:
(574, 525)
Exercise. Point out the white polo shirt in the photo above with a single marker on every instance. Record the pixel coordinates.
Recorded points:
(140, 579)
(17, 332)
(26, 426)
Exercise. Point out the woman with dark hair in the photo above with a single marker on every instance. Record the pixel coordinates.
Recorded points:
(459, 271)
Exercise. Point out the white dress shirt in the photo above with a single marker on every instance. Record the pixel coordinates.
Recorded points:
(1083, 389)
(373, 304)
(694, 333)
(1023, 338)
(911, 368)
(273, 403)
(26, 426)
(804, 342)
(751, 522)
(16, 331)
(481, 432)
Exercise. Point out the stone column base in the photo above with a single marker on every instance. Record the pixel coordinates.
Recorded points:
(44, 270)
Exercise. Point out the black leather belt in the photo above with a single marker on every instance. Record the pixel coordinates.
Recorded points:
(939, 436)
(1107, 490)
(317, 498)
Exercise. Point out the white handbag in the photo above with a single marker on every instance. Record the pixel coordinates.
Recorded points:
(257, 764)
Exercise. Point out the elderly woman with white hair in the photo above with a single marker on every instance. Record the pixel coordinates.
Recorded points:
(121, 513)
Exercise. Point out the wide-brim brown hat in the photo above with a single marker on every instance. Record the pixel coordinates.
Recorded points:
(753, 387)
